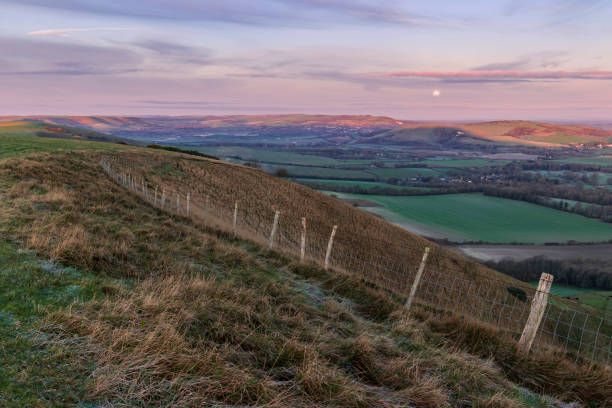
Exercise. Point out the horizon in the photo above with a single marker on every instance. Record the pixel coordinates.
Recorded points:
(416, 121)
(542, 60)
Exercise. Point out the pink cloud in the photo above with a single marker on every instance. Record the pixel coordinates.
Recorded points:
(493, 75)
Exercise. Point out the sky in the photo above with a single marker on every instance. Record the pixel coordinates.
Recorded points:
(409, 59)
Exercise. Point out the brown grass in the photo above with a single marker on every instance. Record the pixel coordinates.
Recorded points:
(216, 320)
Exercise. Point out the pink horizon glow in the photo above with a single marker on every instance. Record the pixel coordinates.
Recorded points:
(496, 74)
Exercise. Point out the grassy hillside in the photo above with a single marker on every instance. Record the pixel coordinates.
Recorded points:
(141, 307)
(39, 129)
(506, 132)
(536, 133)
(127, 122)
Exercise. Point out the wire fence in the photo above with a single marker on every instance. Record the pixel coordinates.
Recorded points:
(581, 333)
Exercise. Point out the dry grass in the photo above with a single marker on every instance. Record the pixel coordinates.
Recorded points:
(216, 320)
(544, 371)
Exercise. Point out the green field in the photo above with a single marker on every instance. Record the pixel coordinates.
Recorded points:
(463, 162)
(475, 217)
(11, 146)
(280, 157)
(320, 172)
(405, 172)
(604, 160)
(363, 184)
(599, 299)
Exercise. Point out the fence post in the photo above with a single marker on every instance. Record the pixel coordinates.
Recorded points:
(155, 196)
(163, 197)
(417, 279)
(329, 246)
(206, 208)
(274, 225)
(235, 219)
(303, 241)
(538, 306)
(187, 206)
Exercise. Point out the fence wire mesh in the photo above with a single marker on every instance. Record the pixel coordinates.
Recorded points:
(582, 334)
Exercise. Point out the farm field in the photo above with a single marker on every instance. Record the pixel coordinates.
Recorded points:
(269, 156)
(405, 172)
(496, 253)
(281, 157)
(320, 172)
(604, 160)
(475, 217)
(599, 299)
(463, 162)
(364, 184)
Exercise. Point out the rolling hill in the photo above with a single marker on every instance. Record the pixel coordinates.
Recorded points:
(107, 298)
(378, 129)
(109, 123)
(40, 129)
(488, 133)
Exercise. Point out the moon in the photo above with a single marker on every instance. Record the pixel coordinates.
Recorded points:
(436, 92)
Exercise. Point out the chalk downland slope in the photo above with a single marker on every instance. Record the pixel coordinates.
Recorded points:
(185, 315)
(39, 129)
(487, 133)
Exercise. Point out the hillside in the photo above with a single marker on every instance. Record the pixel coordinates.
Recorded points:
(505, 132)
(109, 123)
(112, 300)
(33, 128)
(427, 135)
(379, 130)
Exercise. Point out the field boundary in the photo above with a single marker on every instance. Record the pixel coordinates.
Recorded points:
(581, 334)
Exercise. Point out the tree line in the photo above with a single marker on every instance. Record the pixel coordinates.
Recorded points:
(583, 273)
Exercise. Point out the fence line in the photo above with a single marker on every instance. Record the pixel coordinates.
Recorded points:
(551, 323)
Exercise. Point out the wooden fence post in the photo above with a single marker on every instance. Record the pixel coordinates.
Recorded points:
(303, 241)
(163, 197)
(178, 203)
(206, 208)
(538, 307)
(417, 279)
(187, 206)
(235, 221)
(329, 246)
(274, 225)
(155, 196)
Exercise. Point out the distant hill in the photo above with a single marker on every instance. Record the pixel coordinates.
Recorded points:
(506, 132)
(337, 129)
(430, 135)
(40, 129)
(150, 122)
(536, 133)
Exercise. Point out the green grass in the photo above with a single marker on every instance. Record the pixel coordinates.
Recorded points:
(35, 371)
(464, 162)
(13, 146)
(20, 128)
(321, 172)
(280, 157)
(597, 160)
(599, 299)
(403, 173)
(363, 184)
(475, 217)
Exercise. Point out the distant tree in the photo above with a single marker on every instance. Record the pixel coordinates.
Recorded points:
(282, 172)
